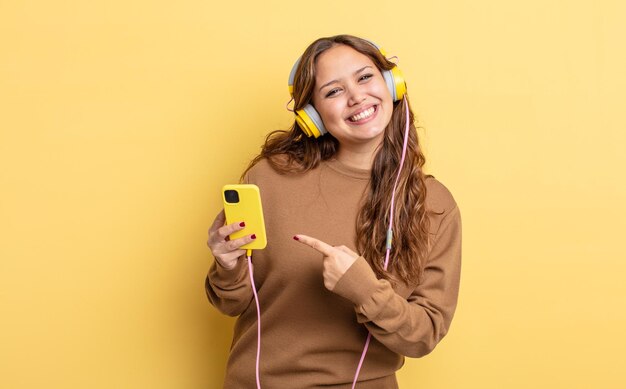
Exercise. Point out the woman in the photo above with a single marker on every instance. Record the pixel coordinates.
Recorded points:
(327, 280)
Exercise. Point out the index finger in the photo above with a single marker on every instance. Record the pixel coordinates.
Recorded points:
(316, 244)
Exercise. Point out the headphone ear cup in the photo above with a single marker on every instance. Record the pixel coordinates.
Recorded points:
(399, 82)
(395, 83)
(310, 121)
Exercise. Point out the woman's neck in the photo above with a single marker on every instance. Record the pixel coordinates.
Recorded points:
(360, 158)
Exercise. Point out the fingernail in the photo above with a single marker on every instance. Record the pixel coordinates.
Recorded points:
(242, 224)
(295, 237)
(253, 236)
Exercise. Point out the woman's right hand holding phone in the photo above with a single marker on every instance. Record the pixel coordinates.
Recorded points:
(227, 252)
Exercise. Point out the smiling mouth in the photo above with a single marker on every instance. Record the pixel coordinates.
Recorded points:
(363, 114)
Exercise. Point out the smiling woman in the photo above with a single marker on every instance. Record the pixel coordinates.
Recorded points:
(355, 105)
(348, 169)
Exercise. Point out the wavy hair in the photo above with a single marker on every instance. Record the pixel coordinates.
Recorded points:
(292, 151)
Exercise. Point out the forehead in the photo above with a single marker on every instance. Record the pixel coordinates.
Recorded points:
(338, 62)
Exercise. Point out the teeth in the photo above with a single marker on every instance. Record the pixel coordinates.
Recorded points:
(363, 115)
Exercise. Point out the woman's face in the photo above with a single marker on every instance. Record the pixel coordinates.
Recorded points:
(351, 96)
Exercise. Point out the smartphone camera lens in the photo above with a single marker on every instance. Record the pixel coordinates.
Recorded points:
(231, 196)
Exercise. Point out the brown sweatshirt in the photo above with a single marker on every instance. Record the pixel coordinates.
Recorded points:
(312, 337)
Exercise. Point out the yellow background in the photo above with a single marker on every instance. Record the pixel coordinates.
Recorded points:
(120, 121)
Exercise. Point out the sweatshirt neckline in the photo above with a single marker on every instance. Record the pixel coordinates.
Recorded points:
(341, 168)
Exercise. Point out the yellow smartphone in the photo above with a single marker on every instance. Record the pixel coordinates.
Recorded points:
(242, 202)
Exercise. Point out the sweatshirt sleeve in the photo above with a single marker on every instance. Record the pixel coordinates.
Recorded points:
(229, 291)
(410, 326)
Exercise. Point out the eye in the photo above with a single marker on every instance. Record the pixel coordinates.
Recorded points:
(332, 92)
(366, 77)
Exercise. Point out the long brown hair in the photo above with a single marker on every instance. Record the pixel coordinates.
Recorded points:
(292, 151)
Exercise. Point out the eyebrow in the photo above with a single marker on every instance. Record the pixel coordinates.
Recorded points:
(334, 81)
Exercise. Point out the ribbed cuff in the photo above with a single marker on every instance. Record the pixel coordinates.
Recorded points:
(358, 284)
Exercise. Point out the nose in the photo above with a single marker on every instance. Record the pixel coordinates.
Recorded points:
(356, 96)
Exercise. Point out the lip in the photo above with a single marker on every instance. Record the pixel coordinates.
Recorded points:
(362, 121)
